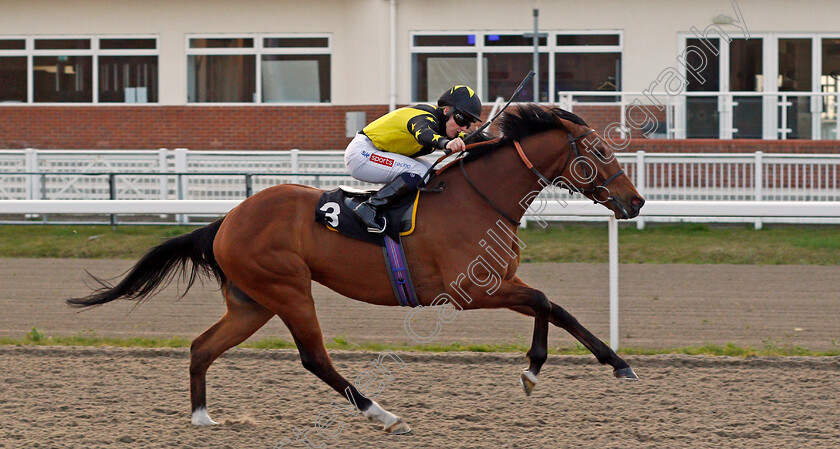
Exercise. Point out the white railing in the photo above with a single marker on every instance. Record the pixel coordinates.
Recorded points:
(163, 174)
(770, 115)
(209, 175)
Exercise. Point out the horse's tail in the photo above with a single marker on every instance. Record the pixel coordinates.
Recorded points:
(158, 268)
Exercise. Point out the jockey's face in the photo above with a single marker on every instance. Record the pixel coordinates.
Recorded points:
(453, 128)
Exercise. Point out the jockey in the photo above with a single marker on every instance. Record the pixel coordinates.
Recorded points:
(386, 150)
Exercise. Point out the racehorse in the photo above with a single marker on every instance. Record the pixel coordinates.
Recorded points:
(266, 252)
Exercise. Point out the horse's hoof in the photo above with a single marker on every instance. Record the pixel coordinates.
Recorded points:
(398, 428)
(528, 381)
(201, 418)
(626, 374)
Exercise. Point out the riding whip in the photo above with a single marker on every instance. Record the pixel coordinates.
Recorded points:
(528, 77)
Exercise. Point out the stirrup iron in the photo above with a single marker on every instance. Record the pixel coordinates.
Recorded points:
(379, 231)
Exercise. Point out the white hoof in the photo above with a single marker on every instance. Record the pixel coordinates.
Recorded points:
(391, 423)
(398, 428)
(201, 418)
(528, 381)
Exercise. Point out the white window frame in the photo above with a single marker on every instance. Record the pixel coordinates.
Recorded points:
(258, 50)
(30, 53)
(551, 49)
(770, 68)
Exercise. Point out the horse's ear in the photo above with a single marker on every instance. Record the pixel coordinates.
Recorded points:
(483, 136)
(564, 124)
(566, 115)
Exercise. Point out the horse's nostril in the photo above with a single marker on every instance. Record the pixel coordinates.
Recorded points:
(637, 202)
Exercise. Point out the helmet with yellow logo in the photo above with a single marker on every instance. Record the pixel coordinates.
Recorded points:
(463, 99)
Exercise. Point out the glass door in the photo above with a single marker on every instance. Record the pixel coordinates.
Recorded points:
(794, 75)
(746, 74)
(830, 82)
(702, 120)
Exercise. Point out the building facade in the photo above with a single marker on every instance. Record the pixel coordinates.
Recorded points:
(258, 74)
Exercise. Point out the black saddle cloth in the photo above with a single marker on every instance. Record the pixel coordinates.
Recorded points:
(335, 210)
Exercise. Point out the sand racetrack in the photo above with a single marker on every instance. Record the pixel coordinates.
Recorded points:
(54, 397)
(91, 398)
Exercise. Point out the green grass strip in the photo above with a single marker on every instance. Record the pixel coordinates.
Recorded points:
(38, 338)
(585, 243)
(689, 243)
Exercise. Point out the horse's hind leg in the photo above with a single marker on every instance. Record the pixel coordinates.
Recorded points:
(297, 310)
(243, 317)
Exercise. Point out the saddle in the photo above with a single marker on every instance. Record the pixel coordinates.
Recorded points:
(335, 211)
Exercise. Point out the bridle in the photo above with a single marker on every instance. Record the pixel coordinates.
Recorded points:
(591, 190)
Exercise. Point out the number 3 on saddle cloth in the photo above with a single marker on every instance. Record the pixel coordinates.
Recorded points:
(335, 211)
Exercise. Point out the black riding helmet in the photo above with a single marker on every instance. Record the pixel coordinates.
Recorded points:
(463, 99)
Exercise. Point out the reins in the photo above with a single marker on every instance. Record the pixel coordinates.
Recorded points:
(486, 198)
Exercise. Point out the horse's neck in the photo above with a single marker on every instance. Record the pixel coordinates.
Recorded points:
(504, 178)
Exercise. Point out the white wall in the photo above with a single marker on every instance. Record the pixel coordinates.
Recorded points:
(360, 29)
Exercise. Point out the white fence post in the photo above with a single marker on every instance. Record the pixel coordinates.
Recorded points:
(30, 161)
(294, 155)
(33, 181)
(758, 179)
(640, 183)
(163, 167)
(182, 186)
(613, 243)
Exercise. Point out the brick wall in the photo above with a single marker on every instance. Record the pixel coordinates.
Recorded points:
(193, 127)
(273, 128)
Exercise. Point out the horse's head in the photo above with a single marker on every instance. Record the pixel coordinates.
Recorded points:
(593, 170)
(585, 164)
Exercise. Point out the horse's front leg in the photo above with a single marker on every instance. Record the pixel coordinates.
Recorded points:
(563, 319)
(509, 295)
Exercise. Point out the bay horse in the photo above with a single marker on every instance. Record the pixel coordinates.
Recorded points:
(266, 252)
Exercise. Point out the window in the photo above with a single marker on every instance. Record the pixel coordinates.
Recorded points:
(259, 69)
(589, 62)
(588, 72)
(62, 79)
(495, 63)
(505, 72)
(12, 70)
(435, 72)
(70, 70)
(128, 71)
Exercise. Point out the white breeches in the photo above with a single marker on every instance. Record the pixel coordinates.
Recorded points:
(367, 163)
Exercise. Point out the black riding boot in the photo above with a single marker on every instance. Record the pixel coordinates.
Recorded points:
(400, 186)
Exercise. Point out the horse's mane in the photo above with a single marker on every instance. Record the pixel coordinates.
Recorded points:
(523, 121)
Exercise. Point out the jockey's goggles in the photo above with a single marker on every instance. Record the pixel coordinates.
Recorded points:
(462, 119)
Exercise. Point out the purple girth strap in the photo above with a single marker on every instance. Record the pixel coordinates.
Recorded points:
(398, 273)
